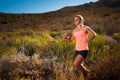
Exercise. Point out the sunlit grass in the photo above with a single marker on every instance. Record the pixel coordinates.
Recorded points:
(96, 48)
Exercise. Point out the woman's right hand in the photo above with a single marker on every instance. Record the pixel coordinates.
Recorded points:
(65, 35)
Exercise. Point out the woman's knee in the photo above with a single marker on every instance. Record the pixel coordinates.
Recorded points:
(75, 64)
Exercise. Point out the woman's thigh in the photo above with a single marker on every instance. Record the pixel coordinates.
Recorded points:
(78, 60)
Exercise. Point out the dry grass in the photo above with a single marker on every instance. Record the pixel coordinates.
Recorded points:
(107, 69)
(21, 67)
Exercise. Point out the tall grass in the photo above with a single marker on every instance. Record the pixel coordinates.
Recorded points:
(65, 50)
(24, 42)
(96, 47)
(101, 48)
(28, 44)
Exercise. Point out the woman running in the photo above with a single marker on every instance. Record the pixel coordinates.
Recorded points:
(80, 34)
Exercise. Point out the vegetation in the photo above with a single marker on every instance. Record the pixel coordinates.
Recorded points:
(107, 69)
(49, 55)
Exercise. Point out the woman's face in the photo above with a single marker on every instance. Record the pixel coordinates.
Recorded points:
(77, 21)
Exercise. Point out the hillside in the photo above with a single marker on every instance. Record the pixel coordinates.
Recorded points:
(98, 15)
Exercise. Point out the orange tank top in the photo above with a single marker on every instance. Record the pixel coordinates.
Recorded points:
(81, 37)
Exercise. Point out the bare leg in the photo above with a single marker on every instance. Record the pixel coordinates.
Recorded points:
(77, 63)
(82, 65)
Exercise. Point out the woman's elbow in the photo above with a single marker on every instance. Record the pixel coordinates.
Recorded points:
(95, 34)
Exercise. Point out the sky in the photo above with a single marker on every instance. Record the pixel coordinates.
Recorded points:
(37, 6)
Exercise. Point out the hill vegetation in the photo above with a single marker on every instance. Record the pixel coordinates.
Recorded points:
(97, 15)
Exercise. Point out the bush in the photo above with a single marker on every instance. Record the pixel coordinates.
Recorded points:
(21, 67)
(3, 22)
(107, 69)
(65, 50)
(9, 51)
(53, 34)
(96, 49)
(24, 44)
(100, 29)
(116, 36)
(60, 48)
(28, 45)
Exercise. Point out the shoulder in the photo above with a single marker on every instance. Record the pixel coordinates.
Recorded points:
(87, 27)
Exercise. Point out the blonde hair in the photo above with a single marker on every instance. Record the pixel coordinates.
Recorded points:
(81, 18)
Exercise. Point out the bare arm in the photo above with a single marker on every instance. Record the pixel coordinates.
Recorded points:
(92, 34)
(68, 38)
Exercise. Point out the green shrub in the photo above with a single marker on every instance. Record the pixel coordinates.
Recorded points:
(60, 48)
(28, 45)
(100, 29)
(116, 36)
(27, 32)
(53, 34)
(6, 47)
(96, 47)
(9, 51)
(64, 50)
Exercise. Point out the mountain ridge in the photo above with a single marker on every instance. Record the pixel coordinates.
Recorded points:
(96, 14)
